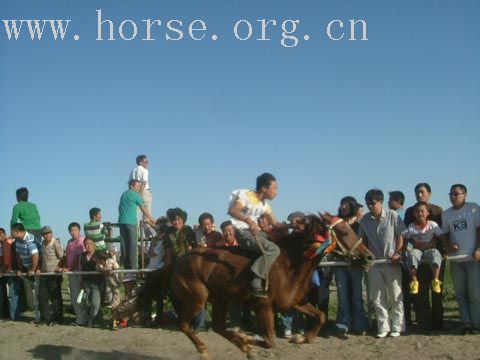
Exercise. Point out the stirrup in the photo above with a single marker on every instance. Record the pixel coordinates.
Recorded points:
(258, 293)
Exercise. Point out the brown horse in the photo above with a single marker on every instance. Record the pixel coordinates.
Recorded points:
(221, 275)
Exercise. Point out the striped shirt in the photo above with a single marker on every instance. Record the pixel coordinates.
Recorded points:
(97, 232)
(25, 249)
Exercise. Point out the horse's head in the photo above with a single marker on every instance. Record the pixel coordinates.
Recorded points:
(327, 233)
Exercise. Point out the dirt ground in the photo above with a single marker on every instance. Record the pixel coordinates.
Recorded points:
(22, 340)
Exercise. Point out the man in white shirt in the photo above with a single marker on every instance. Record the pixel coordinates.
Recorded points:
(140, 173)
(381, 229)
(461, 225)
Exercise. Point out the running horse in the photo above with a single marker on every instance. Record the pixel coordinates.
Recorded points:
(221, 275)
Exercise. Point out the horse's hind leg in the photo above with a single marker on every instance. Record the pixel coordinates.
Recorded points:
(219, 324)
(186, 316)
(309, 309)
(266, 321)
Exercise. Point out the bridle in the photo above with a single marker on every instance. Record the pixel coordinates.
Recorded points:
(348, 254)
(324, 245)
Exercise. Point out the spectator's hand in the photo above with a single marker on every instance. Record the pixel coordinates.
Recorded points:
(395, 258)
(58, 270)
(1, 274)
(149, 222)
(19, 273)
(31, 272)
(37, 272)
(454, 247)
(476, 255)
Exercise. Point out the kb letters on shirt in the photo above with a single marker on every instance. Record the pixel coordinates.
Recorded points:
(460, 225)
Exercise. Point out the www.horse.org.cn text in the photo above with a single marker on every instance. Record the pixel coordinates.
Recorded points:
(286, 32)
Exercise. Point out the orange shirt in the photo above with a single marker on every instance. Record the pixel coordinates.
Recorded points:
(222, 242)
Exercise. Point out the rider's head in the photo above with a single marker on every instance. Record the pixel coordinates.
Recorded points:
(267, 186)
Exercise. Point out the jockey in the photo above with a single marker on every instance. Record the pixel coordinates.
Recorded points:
(246, 206)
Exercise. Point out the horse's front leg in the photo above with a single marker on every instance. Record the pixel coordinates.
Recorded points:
(320, 319)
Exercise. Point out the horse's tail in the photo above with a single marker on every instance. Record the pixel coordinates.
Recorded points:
(155, 282)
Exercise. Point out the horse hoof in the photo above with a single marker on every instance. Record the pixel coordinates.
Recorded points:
(234, 330)
(204, 355)
(252, 355)
(297, 339)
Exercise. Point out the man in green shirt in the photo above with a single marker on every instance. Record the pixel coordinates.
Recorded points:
(127, 218)
(26, 213)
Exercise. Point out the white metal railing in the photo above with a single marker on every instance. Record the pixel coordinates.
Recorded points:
(134, 271)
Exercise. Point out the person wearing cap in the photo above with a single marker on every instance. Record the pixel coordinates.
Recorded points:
(292, 319)
(50, 287)
(351, 311)
(245, 208)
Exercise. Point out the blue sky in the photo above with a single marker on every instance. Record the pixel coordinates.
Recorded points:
(327, 118)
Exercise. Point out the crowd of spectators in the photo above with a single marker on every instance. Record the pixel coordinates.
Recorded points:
(416, 240)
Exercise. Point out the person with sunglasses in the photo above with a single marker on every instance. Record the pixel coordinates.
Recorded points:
(381, 230)
(461, 225)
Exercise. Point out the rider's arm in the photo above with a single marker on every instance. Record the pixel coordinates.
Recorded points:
(277, 225)
(235, 211)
